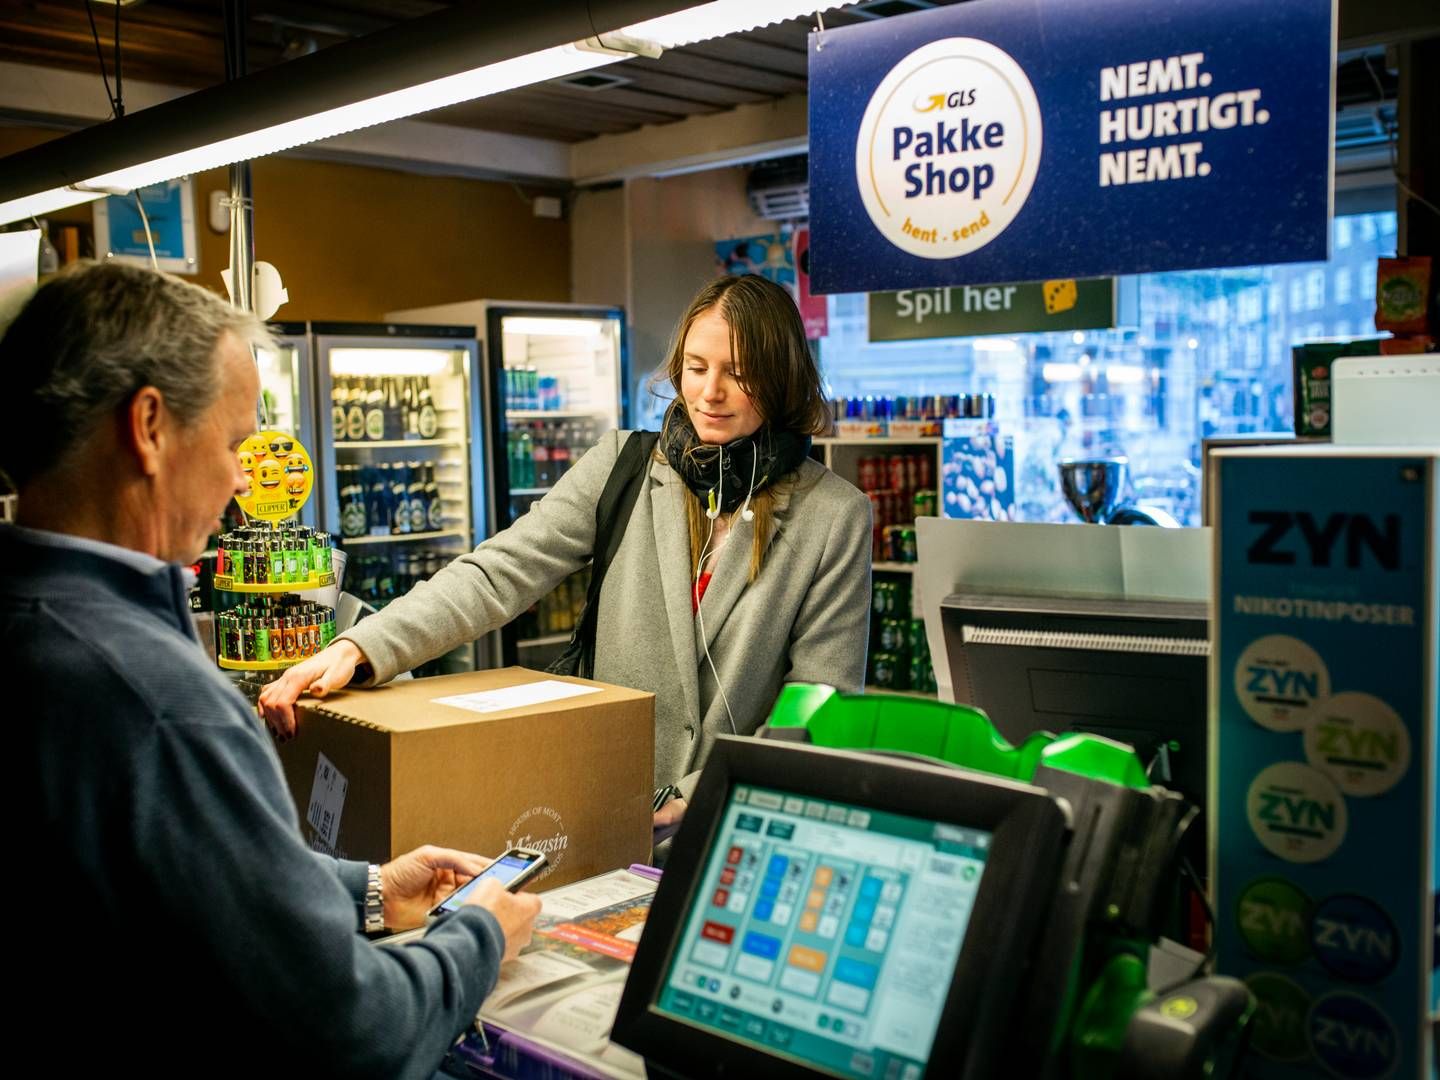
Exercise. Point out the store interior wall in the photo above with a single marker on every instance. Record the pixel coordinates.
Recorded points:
(352, 242)
(650, 245)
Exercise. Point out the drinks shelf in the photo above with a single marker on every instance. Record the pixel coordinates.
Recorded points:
(893, 567)
(551, 414)
(541, 642)
(399, 538)
(877, 440)
(384, 444)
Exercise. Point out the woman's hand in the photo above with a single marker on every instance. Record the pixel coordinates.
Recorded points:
(330, 669)
(666, 821)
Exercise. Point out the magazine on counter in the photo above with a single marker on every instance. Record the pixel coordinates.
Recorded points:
(563, 990)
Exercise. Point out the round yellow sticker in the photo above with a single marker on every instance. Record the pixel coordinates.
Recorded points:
(281, 476)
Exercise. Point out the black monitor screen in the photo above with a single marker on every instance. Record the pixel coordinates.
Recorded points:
(826, 932)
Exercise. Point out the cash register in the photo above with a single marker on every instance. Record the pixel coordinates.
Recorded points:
(884, 889)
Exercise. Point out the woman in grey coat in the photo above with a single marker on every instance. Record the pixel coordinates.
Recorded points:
(745, 564)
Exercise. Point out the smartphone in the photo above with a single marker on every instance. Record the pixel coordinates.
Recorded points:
(512, 869)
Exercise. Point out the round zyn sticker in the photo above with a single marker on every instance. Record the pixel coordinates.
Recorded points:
(1354, 938)
(1359, 742)
(1296, 812)
(1278, 680)
(948, 148)
(1279, 1031)
(280, 475)
(1274, 920)
(1352, 1038)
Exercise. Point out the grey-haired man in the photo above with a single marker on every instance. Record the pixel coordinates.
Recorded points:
(179, 923)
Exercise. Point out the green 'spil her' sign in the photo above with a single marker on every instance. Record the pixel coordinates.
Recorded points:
(974, 310)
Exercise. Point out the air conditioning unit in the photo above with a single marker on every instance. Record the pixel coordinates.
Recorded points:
(779, 189)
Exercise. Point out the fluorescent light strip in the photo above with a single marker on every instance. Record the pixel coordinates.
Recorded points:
(496, 78)
(43, 202)
(721, 17)
(361, 361)
(699, 23)
(526, 324)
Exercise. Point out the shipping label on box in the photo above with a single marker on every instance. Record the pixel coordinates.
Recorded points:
(479, 762)
(1323, 705)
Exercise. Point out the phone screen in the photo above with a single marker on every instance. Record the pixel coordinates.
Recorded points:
(505, 870)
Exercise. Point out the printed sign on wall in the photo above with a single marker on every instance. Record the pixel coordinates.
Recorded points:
(973, 310)
(1022, 140)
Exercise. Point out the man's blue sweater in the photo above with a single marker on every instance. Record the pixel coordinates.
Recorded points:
(165, 911)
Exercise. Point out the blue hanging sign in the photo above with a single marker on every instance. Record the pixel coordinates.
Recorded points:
(1020, 140)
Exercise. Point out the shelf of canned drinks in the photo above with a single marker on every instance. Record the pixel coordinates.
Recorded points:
(397, 538)
(227, 583)
(876, 440)
(390, 444)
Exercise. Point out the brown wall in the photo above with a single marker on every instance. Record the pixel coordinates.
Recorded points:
(352, 242)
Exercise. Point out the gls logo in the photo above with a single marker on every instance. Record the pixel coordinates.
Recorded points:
(956, 99)
(1359, 531)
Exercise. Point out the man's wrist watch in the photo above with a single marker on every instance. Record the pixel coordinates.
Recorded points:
(374, 900)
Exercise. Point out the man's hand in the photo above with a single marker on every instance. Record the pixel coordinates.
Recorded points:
(666, 821)
(414, 884)
(330, 669)
(515, 912)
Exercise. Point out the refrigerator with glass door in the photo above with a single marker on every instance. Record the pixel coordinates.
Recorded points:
(401, 458)
(556, 378)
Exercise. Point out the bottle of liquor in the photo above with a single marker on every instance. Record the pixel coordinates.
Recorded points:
(374, 412)
(394, 421)
(338, 393)
(355, 411)
(434, 507)
(415, 498)
(428, 422)
(412, 408)
(399, 499)
(352, 502)
(378, 501)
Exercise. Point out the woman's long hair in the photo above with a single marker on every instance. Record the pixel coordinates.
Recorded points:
(776, 371)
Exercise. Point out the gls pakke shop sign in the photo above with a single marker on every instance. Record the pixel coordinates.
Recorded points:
(1020, 140)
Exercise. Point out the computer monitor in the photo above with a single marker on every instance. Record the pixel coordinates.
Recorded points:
(829, 913)
(1133, 670)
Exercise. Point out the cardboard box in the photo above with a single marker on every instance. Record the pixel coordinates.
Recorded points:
(1323, 693)
(377, 773)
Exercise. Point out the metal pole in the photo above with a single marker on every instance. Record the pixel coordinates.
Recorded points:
(242, 207)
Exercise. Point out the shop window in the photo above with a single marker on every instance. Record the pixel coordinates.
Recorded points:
(1212, 351)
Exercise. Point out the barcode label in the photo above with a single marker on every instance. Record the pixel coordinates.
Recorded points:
(327, 800)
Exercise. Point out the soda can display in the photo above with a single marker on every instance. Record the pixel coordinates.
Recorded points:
(907, 551)
(895, 466)
(890, 545)
(893, 635)
(868, 473)
(884, 669)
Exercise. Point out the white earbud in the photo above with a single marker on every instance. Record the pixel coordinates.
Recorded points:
(746, 514)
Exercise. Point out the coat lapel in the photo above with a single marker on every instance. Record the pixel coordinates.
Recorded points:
(672, 546)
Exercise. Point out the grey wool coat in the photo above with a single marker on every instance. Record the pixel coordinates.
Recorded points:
(805, 618)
